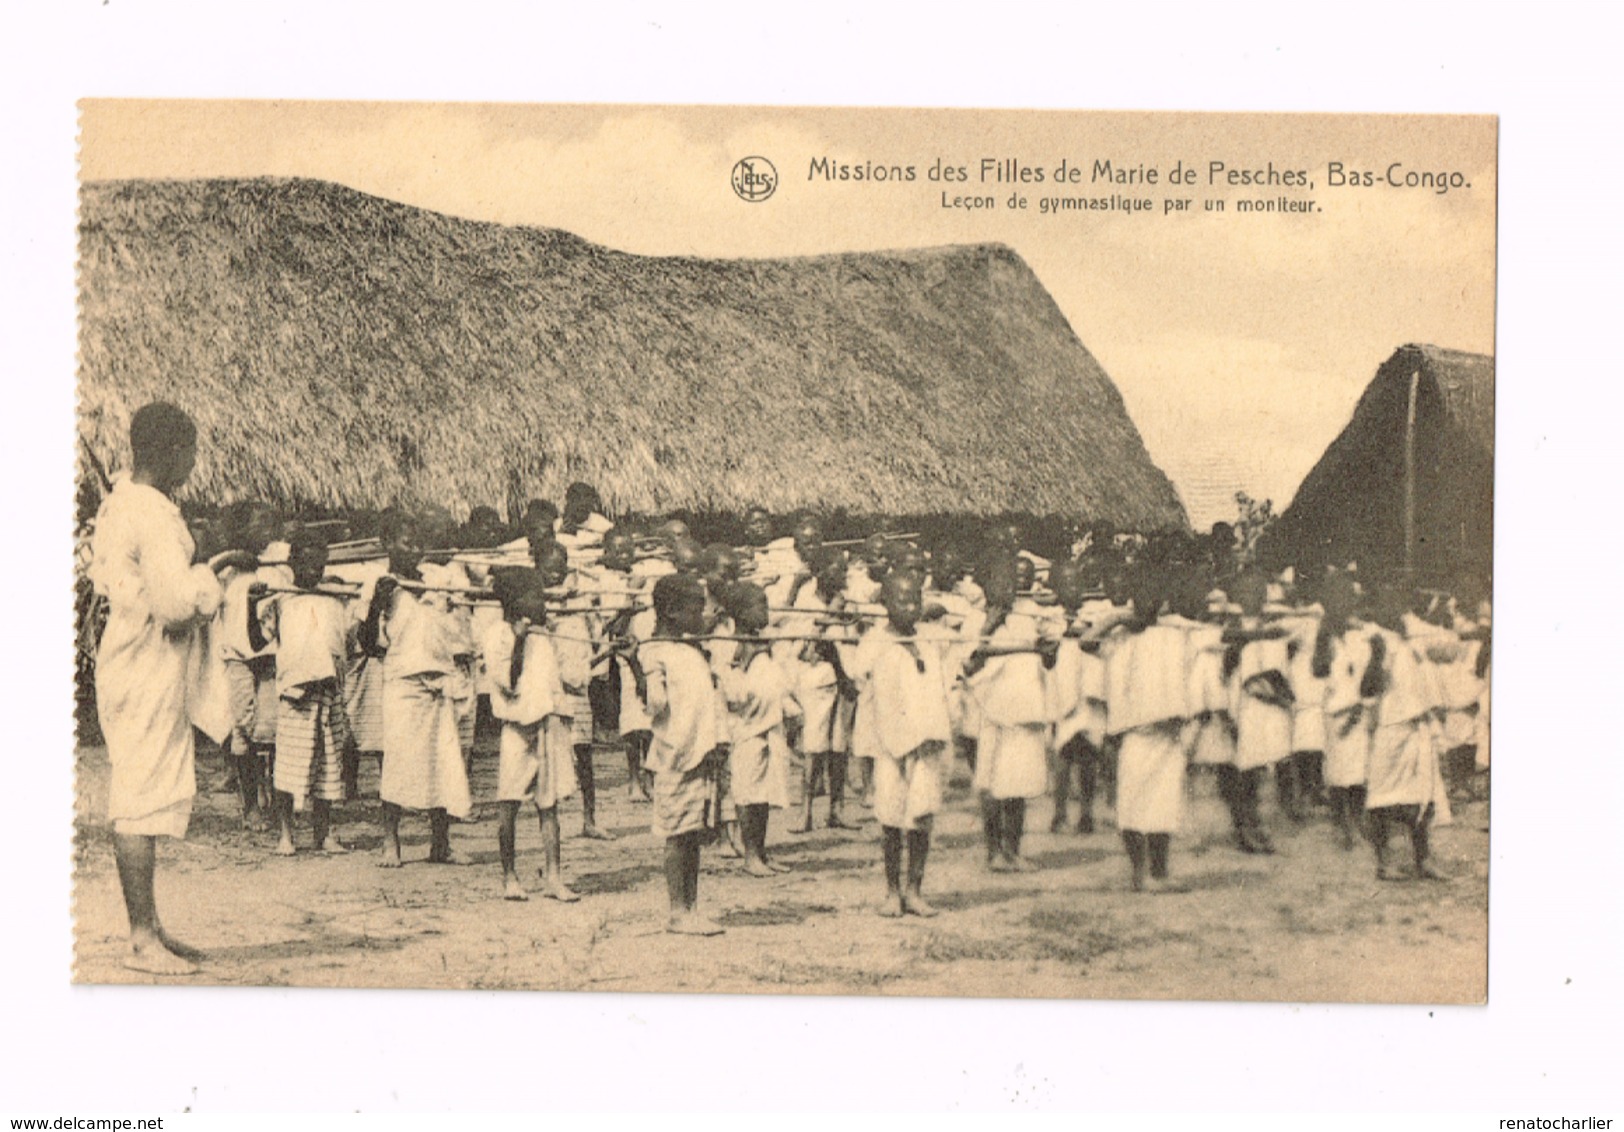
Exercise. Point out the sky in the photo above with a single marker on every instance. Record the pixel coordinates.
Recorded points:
(1240, 342)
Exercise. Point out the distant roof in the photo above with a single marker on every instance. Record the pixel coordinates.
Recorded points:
(339, 349)
(1351, 506)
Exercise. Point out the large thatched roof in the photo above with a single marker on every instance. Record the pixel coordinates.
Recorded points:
(1351, 506)
(339, 349)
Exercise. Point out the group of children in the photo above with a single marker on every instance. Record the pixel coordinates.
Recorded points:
(730, 672)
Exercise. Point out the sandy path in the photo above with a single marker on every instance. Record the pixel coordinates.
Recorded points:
(1310, 924)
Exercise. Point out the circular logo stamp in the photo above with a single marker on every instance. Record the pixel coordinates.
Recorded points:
(754, 179)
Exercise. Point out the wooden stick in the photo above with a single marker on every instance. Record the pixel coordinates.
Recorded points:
(423, 588)
(635, 607)
(906, 536)
(343, 595)
(1013, 649)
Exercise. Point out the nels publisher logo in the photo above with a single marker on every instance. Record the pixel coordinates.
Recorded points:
(754, 179)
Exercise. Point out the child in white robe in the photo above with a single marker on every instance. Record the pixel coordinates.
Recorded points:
(620, 573)
(535, 756)
(1342, 660)
(825, 690)
(423, 767)
(911, 710)
(1077, 693)
(1149, 694)
(250, 673)
(756, 692)
(1406, 789)
(310, 631)
(574, 635)
(1007, 675)
(689, 734)
(1299, 775)
(1261, 707)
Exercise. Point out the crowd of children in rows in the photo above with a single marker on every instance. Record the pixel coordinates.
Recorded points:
(729, 674)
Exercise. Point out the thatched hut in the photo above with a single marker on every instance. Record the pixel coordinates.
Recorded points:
(343, 350)
(1410, 481)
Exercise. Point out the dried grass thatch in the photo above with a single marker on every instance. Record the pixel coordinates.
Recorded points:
(1351, 506)
(342, 350)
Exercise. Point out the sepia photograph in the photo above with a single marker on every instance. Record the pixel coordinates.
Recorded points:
(772, 550)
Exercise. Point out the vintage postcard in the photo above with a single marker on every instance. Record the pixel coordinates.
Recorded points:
(772, 550)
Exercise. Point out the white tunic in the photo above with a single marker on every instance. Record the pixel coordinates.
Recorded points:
(158, 671)
(1150, 702)
(1012, 745)
(1262, 729)
(1404, 751)
(1349, 715)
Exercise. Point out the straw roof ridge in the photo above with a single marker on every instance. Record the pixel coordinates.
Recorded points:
(339, 349)
(1351, 504)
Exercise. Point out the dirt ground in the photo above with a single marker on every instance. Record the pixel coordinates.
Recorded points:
(1309, 924)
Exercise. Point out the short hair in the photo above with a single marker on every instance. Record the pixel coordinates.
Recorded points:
(537, 508)
(897, 582)
(544, 543)
(582, 491)
(733, 597)
(514, 585)
(307, 538)
(158, 428)
(673, 590)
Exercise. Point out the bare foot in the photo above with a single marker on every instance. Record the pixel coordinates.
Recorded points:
(390, 858)
(916, 905)
(758, 868)
(1021, 865)
(778, 866)
(593, 833)
(692, 923)
(447, 857)
(804, 827)
(891, 907)
(837, 822)
(513, 890)
(284, 847)
(1429, 871)
(559, 891)
(999, 864)
(176, 947)
(729, 852)
(254, 822)
(154, 958)
(332, 846)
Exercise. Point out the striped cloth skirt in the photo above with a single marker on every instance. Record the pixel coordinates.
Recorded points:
(363, 702)
(578, 708)
(311, 733)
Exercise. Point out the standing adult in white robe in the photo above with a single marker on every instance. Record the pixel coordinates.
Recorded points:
(158, 673)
